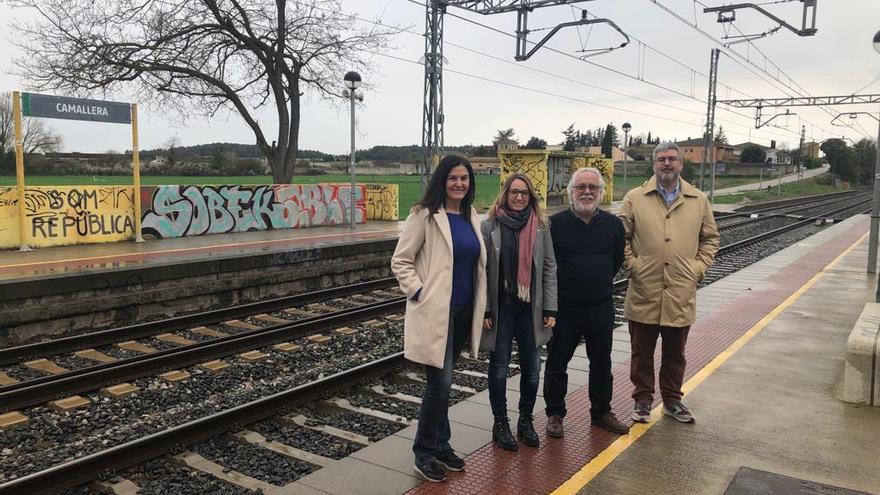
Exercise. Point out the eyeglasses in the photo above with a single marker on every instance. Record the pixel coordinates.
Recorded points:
(517, 192)
(662, 159)
(584, 187)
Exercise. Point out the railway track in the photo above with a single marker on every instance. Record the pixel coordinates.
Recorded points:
(361, 395)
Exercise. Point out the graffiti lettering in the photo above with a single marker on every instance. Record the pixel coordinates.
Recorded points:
(88, 224)
(175, 211)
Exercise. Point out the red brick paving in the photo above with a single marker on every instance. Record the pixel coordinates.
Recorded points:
(535, 471)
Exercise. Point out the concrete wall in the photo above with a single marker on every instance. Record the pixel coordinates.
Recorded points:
(59, 305)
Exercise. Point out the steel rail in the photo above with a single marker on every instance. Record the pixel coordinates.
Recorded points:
(787, 212)
(122, 456)
(20, 353)
(782, 204)
(41, 390)
(622, 284)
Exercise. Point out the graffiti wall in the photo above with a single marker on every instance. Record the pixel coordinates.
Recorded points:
(383, 201)
(532, 165)
(178, 211)
(551, 171)
(89, 214)
(61, 215)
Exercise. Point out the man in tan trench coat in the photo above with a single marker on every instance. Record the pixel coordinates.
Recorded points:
(671, 239)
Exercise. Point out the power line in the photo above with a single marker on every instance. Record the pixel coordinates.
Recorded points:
(798, 90)
(657, 85)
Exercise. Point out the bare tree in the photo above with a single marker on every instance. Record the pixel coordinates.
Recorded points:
(202, 56)
(38, 137)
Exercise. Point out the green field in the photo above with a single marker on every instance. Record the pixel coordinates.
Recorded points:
(487, 185)
(806, 187)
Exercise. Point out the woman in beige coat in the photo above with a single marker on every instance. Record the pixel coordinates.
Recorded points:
(440, 263)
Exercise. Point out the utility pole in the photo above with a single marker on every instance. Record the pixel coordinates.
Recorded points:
(801, 161)
(708, 146)
(432, 110)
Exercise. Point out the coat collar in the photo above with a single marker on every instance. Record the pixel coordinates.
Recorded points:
(650, 186)
(443, 223)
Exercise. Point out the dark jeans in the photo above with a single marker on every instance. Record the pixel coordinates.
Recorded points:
(595, 325)
(432, 435)
(515, 321)
(643, 341)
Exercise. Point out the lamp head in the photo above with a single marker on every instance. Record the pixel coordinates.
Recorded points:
(877, 41)
(352, 80)
(626, 127)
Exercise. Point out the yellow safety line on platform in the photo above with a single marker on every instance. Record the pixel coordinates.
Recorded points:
(592, 469)
(198, 248)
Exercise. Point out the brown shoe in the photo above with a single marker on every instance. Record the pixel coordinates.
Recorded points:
(609, 422)
(554, 427)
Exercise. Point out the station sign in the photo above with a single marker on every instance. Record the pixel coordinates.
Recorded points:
(63, 107)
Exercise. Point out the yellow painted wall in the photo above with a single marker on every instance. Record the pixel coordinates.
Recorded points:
(61, 215)
(383, 201)
(550, 172)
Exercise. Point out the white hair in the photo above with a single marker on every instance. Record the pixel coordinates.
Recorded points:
(583, 170)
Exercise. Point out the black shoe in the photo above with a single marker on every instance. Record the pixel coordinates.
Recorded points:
(450, 461)
(526, 431)
(501, 434)
(431, 471)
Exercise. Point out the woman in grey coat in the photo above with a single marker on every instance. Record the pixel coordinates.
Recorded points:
(521, 301)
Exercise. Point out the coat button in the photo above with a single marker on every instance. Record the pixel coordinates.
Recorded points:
(668, 239)
(666, 264)
(667, 215)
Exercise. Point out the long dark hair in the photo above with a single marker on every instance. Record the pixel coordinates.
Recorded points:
(435, 194)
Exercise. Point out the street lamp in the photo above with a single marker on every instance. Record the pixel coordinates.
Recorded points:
(352, 82)
(877, 41)
(626, 128)
(875, 207)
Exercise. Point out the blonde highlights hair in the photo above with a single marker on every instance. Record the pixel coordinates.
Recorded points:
(501, 199)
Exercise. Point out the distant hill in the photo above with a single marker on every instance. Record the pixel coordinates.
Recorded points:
(240, 150)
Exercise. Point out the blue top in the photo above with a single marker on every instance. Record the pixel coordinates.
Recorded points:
(465, 253)
(669, 196)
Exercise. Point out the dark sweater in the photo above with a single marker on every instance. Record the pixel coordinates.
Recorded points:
(465, 253)
(588, 255)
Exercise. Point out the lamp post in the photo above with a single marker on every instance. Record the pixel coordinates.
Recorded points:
(626, 128)
(352, 82)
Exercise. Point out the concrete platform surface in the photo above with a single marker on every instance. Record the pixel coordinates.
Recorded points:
(773, 406)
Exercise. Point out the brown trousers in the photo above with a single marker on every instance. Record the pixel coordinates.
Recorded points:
(643, 341)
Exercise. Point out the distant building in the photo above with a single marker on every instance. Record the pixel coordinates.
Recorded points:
(771, 151)
(692, 149)
(617, 154)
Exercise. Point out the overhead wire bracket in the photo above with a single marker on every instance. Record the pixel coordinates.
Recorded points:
(759, 124)
(727, 13)
(522, 33)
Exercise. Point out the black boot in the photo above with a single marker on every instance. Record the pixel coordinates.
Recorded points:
(526, 431)
(501, 434)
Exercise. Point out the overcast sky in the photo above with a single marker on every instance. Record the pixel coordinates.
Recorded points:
(540, 97)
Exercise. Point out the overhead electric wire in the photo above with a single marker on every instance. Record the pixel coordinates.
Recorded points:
(728, 50)
(657, 85)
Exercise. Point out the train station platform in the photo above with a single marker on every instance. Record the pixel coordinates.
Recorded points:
(765, 362)
(79, 259)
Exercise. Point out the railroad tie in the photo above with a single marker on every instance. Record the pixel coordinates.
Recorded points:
(395, 318)
(69, 403)
(319, 339)
(344, 331)
(253, 356)
(121, 487)
(241, 325)
(215, 366)
(322, 307)
(254, 438)
(299, 313)
(271, 320)
(208, 332)
(199, 463)
(95, 355)
(133, 345)
(11, 420)
(175, 376)
(287, 347)
(119, 391)
(375, 324)
(174, 339)
(6, 380)
(45, 366)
